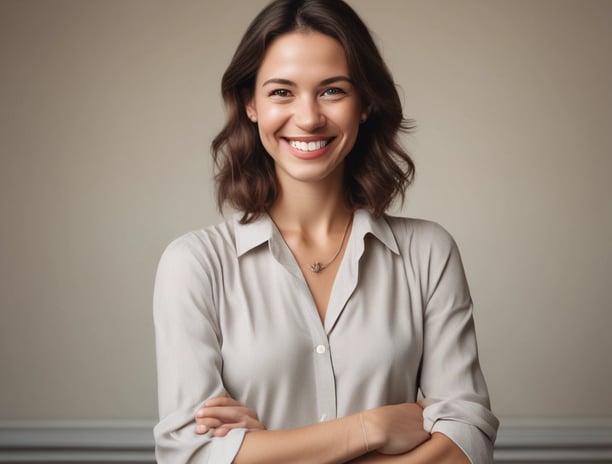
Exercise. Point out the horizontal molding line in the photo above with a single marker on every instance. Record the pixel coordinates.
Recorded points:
(93, 441)
(554, 440)
(527, 440)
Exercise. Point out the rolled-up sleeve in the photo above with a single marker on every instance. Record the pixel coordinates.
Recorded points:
(451, 379)
(188, 358)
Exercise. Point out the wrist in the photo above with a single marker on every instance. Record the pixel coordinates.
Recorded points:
(373, 436)
(357, 441)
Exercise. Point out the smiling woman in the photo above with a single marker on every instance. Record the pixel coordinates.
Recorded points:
(305, 328)
(380, 168)
(306, 108)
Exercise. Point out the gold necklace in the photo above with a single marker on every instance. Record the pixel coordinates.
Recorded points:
(317, 267)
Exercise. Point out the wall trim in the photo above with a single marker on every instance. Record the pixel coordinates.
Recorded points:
(520, 440)
(82, 441)
(554, 440)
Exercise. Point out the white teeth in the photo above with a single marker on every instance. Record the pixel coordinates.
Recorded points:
(308, 146)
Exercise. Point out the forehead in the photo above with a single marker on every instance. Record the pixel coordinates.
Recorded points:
(304, 55)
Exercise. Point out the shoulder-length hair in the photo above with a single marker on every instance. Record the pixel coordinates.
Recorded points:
(377, 170)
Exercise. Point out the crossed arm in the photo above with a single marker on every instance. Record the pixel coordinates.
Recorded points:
(386, 435)
(190, 362)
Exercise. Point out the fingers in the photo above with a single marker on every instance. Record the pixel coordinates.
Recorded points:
(220, 429)
(244, 422)
(226, 414)
(204, 425)
(224, 430)
(222, 414)
(399, 428)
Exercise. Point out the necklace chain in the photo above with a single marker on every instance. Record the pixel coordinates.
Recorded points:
(317, 267)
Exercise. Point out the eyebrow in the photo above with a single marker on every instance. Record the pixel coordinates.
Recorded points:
(324, 82)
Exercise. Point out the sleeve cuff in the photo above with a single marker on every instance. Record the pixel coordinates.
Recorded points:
(225, 450)
(178, 443)
(474, 444)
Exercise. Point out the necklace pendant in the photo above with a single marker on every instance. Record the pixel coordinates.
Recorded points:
(316, 267)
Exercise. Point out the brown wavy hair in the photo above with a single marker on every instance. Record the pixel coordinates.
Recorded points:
(376, 171)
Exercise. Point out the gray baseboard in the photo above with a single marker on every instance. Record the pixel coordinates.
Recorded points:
(520, 440)
(558, 440)
(77, 441)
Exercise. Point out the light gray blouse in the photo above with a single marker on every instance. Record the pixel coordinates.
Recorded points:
(233, 313)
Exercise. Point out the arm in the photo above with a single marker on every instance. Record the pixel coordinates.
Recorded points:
(335, 441)
(440, 450)
(188, 357)
(389, 429)
(458, 413)
(224, 414)
(189, 371)
(451, 379)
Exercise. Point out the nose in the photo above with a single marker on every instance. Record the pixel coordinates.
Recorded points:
(308, 115)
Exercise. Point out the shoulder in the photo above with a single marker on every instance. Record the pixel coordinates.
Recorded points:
(430, 252)
(202, 247)
(421, 234)
(192, 266)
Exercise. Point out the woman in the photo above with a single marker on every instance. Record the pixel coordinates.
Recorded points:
(304, 328)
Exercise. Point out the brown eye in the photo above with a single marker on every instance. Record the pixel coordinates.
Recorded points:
(279, 93)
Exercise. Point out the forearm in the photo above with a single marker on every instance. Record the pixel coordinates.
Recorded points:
(331, 442)
(392, 429)
(439, 450)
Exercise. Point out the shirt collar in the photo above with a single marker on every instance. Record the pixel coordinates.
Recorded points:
(364, 223)
(253, 234)
(261, 230)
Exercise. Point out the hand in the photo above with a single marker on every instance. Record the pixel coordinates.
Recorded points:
(395, 429)
(222, 414)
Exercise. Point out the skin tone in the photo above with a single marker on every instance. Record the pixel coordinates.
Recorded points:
(308, 114)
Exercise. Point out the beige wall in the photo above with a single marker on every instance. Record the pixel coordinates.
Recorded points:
(106, 112)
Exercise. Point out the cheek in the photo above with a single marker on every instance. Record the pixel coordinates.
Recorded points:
(269, 121)
(348, 118)
(271, 118)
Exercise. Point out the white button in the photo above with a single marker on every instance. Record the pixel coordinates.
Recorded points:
(320, 349)
(323, 417)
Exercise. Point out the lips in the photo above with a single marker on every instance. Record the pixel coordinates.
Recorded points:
(308, 148)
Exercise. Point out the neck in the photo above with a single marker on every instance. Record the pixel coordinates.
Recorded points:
(311, 209)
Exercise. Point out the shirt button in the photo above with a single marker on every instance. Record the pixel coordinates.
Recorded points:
(320, 349)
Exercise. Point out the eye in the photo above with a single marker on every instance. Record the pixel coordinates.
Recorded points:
(333, 92)
(280, 93)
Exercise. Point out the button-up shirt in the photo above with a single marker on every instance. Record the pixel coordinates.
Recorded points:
(233, 313)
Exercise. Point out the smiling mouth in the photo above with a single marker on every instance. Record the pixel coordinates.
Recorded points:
(313, 145)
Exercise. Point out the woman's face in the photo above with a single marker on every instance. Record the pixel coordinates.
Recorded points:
(306, 107)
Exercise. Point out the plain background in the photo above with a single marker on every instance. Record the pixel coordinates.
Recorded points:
(107, 110)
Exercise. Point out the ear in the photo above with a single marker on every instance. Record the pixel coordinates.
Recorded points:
(251, 111)
(364, 114)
